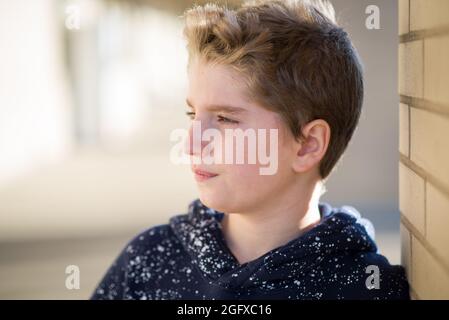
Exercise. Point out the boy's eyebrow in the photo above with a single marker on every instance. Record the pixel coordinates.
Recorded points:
(225, 108)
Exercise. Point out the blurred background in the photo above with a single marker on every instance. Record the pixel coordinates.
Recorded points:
(89, 93)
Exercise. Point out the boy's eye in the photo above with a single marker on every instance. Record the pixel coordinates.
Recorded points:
(226, 120)
(190, 114)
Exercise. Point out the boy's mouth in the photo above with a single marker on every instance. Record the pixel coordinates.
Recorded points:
(203, 175)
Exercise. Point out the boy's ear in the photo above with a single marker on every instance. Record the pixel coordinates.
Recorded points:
(312, 148)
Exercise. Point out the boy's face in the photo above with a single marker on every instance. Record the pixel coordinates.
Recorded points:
(236, 187)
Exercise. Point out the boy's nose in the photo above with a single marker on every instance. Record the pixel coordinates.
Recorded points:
(194, 144)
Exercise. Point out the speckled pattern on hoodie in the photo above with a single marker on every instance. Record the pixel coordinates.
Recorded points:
(188, 259)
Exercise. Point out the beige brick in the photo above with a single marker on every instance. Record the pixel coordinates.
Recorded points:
(411, 197)
(429, 143)
(406, 253)
(429, 279)
(411, 69)
(404, 13)
(437, 221)
(426, 14)
(436, 69)
(404, 129)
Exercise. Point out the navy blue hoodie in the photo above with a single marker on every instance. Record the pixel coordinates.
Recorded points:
(188, 259)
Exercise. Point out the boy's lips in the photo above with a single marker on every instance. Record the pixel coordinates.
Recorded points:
(202, 175)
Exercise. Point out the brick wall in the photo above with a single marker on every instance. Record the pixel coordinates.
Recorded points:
(424, 145)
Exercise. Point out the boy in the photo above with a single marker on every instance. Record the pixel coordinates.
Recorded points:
(269, 65)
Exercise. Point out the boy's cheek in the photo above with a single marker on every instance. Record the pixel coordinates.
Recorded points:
(243, 171)
(248, 177)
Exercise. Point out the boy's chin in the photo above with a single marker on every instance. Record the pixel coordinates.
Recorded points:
(216, 202)
(222, 203)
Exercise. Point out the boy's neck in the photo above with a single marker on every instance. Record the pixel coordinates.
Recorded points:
(249, 236)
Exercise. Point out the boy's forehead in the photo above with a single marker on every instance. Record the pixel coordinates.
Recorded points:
(215, 82)
(215, 86)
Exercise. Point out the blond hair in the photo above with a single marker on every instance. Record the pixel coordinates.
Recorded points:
(294, 58)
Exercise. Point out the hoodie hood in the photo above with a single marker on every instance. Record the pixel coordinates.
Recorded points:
(188, 258)
(341, 232)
